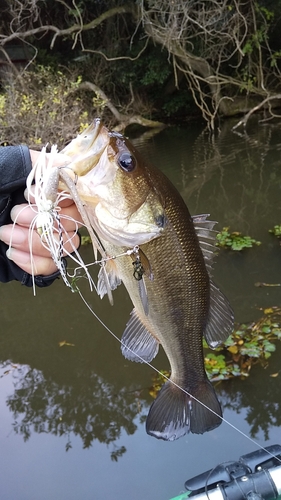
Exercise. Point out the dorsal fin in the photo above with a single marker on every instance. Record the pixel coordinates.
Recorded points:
(207, 238)
(220, 319)
(137, 342)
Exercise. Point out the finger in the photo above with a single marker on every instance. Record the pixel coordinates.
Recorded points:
(70, 219)
(71, 213)
(29, 196)
(56, 160)
(21, 238)
(40, 265)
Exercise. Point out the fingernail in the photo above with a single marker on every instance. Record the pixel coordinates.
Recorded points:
(14, 212)
(9, 253)
(21, 258)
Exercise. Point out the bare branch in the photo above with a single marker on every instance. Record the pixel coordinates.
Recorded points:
(75, 28)
(124, 120)
(259, 106)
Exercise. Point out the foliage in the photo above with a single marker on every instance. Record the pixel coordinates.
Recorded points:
(148, 82)
(158, 380)
(85, 240)
(157, 55)
(276, 231)
(177, 104)
(218, 368)
(42, 106)
(235, 240)
(249, 344)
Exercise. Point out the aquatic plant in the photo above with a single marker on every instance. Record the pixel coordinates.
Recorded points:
(248, 345)
(235, 240)
(158, 380)
(86, 240)
(276, 231)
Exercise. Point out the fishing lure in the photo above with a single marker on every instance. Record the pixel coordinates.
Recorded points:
(43, 185)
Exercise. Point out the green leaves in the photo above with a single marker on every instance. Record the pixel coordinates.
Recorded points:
(218, 368)
(44, 106)
(235, 240)
(276, 231)
(249, 344)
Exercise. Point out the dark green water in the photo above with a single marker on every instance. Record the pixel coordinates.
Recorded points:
(72, 417)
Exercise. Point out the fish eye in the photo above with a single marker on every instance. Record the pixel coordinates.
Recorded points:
(127, 162)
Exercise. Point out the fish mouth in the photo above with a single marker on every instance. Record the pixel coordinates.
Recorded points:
(123, 207)
(87, 148)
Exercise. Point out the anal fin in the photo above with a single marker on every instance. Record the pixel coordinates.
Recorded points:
(137, 342)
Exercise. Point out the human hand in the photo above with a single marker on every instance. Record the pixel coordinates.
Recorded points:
(58, 159)
(23, 241)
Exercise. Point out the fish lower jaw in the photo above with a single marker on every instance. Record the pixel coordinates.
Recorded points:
(125, 236)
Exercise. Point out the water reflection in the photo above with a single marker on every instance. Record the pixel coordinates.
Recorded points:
(262, 405)
(235, 176)
(91, 409)
(69, 377)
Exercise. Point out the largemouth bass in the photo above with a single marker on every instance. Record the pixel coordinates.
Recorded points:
(165, 260)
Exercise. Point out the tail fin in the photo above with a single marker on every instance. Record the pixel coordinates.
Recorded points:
(174, 413)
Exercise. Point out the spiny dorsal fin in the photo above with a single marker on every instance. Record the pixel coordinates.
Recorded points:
(207, 238)
(220, 320)
(137, 342)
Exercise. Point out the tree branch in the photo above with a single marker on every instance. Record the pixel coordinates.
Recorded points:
(124, 120)
(254, 109)
(121, 9)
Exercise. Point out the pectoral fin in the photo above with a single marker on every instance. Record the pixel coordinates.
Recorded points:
(143, 296)
(141, 266)
(220, 320)
(108, 280)
(137, 342)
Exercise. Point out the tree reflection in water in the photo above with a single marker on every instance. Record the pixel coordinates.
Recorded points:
(259, 395)
(92, 409)
(95, 409)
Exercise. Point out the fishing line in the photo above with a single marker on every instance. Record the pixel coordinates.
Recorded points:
(39, 175)
(174, 383)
